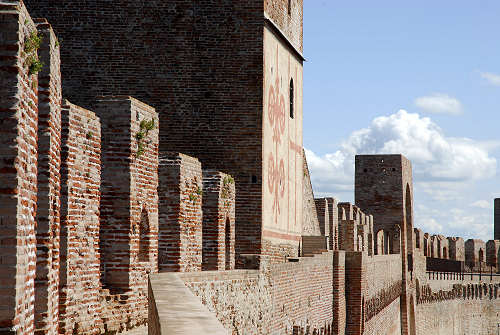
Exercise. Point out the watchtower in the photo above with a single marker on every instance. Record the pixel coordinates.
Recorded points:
(226, 81)
(384, 188)
(496, 232)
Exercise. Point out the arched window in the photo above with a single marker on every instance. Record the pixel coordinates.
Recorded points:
(289, 7)
(144, 237)
(291, 98)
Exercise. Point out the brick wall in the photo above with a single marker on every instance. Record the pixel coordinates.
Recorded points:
(496, 218)
(460, 307)
(18, 170)
(384, 189)
(213, 58)
(475, 253)
(129, 205)
(381, 272)
(322, 211)
(339, 293)
(310, 223)
(333, 213)
(180, 213)
(129, 208)
(348, 228)
(288, 16)
(492, 251)
(386, 322)
(218, 221)
(457, 248)
(48, 200)
(356, 281)
(79, 305)
(271, 301)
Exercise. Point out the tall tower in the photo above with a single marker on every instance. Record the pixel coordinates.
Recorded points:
(384, 188)
(496, 232)
(226, 80)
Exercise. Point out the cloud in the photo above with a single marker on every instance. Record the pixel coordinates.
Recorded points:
(440, 163)
(439, 103)
(493, 79)
(484, 204)
(454, 222)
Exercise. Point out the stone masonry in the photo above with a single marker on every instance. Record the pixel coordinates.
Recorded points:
(218, 221)
(205, 172)
(180, 217)
(129, 213)
(208, 108)
(79, 306)
(18, 170)
(48, 195)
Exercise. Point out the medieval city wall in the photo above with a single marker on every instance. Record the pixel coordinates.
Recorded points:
(82, 224)
(271, 300)
(18, 166)
(382, 295)
(181, 196)
(205, 81)
(310, 222)
(450, 304)
(128, 210)
(218, 221)
(79, 305)
(49, 178)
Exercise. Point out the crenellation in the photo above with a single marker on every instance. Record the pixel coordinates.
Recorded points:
(180, 218)
(457, 248)
(322, 211)
(79, 306)
(475, 255)
(492, 254)
(334, 223)
(48, 193)
(418, 239)
(18, 170)
(219, 196)
(202, 186)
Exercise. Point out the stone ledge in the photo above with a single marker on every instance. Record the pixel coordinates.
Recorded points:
(179, 310)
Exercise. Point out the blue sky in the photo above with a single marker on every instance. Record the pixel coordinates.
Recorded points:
(418, 78)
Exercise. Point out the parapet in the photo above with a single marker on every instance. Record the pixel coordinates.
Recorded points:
(475, 253)
(457, 248)
(355, 229)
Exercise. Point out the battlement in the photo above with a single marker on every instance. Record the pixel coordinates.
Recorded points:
(80, 198)
(168, 159)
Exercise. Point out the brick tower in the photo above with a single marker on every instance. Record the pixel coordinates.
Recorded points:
(226, 80)
(384, 188)
(497, 219)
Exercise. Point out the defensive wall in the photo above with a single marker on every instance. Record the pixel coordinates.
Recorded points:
(92, 207)
(226, 81)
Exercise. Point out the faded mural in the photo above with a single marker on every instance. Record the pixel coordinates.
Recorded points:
(282, 150)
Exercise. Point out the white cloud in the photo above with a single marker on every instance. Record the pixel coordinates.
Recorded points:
(493, 79)
(484, 204)
(440, 163)
(439, 103)
(454, 222)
